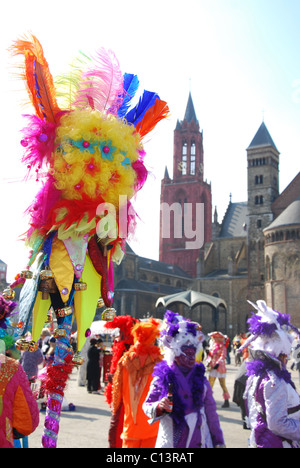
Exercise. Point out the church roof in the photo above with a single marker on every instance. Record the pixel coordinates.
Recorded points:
(235, 220)
(190, 113)
(290, 216)
(262, 138)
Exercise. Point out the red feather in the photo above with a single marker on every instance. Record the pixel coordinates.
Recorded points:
(155, 114)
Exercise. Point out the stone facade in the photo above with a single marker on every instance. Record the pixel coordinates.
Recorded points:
(282, 262)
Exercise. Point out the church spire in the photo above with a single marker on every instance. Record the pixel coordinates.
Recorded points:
(190, 113)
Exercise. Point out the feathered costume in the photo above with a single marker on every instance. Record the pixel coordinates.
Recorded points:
(124, 323)
(193, 422)
(271, 400)
(131, 384)
(85, 144)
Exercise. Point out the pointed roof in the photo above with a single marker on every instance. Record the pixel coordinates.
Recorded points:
(190, 113)
(262, 138)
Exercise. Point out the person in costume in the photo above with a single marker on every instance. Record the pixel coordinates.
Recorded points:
(192, 421)
(272, 402)
(216, 363)
(122, 343)
(131, 384)
(84, 144)
(19, 414)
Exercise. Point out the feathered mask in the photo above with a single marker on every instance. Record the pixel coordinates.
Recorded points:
(270, 331)
(85, 141)
(145, 333)
(177, 332)
(124, 323)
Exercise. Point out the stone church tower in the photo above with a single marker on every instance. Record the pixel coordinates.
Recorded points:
(263, 189)
(186, 211)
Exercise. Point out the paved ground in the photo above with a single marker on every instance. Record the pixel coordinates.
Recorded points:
(87, 427)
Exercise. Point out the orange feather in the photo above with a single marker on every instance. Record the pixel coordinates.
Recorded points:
(38, 78)
(155, 114)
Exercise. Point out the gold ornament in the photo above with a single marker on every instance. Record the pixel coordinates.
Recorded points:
(9, 294)
(24, 345)
(80, 286)
(27, 274)
(77, 360)
(64, 312)
(109, 314)
(60, 333)
(47, 284)
(100, 303)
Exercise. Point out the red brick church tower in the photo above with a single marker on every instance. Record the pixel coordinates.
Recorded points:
(186, 210)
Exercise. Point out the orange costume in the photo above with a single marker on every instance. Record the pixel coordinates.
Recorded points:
(131, 385)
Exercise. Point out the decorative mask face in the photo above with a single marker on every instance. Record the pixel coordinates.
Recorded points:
(187, 357)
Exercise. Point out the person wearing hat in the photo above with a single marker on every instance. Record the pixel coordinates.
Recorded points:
(216, 363)
(180, 397)
(272, 402)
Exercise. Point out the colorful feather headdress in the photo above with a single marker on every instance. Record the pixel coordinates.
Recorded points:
(270, 331)
(88, 150)
(177, 332)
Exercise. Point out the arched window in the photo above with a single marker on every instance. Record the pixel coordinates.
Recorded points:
(184, 159)
(193, 159)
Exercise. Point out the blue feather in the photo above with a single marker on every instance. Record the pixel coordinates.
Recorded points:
(136, 114)
(131, 84)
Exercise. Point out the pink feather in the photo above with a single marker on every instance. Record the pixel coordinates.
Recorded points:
(101, 87)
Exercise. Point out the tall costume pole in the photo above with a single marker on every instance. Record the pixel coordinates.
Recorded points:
(84, 144)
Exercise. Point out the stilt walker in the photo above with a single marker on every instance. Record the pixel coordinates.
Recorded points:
(84, 143)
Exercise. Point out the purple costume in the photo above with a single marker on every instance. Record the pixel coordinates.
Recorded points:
(273, 405)
(194, 422)
(271, 399)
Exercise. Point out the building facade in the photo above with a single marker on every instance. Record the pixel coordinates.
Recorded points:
(253, 253)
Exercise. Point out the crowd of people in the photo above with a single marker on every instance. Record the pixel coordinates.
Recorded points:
(165, 384)
(161, 379)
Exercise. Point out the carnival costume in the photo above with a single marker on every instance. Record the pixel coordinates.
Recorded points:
(193, 422)
(85, 144)
(121, 344)
(19, 414)
(131, 384)
(272, 402)
(216, 363)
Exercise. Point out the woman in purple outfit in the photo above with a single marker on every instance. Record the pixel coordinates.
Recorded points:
(272, 402)
(191, 420)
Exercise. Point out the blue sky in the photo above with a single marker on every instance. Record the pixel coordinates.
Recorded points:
(240, 58)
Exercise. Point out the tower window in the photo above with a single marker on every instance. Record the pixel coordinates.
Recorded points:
(259, 200)
(259, 179)
(184, 159)
(193, 159)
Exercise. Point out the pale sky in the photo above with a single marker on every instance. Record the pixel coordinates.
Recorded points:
(240, 58)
